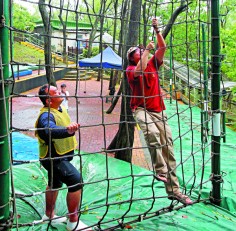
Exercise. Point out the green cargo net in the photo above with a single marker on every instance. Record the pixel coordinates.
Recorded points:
(117, 194)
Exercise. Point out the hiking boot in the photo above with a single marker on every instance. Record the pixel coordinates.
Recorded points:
(161, 177)
(76, 226)
(55, 220)
(181, 198)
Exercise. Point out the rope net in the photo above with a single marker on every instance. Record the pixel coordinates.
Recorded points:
(115, 193)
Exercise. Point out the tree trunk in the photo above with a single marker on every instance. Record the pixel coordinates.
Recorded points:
(95, 24)
(124, 139)
(146, 18)
(122, 37)
(47, 42)
(92, 36)
(124, 26)
(112, 82)
(93, 31)
(64, 54)
(115, 100)
(180, 9)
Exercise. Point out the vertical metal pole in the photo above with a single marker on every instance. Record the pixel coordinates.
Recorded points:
(205, 76)
(171, 65)
(18, 72)
(163, 76)
(4, 112)
(223, 126)
(39, 67)
(215, 106)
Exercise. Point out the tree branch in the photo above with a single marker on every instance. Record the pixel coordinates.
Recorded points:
(180, 9)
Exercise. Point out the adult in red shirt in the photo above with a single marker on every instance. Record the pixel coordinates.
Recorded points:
(148, 109)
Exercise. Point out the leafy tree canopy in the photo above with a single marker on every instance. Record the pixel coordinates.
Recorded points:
(22, 19)
(183, 32)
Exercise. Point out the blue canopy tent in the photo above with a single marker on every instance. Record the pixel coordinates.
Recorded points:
(107, 59)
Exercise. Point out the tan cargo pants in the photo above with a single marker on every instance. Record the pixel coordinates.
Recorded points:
(158, 137)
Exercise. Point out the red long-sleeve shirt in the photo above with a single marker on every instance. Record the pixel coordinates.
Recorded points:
(145, 88)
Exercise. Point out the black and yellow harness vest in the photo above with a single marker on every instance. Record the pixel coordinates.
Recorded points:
(62, 146)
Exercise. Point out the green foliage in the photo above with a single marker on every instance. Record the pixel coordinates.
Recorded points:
(234, 93)
(228, 36)
(186, 37)
(95, 51)
(186, 32)
(234, 90)
(22, 19)
(85, 53)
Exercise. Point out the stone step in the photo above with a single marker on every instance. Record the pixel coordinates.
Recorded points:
(81, 78)
(80, 74)
(75, 71)
(73, 75)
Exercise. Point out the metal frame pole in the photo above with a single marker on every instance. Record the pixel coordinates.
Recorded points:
(171, 73)
(4, 115)
(205, 75)
(215, 105)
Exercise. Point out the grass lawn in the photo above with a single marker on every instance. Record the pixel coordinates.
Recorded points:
(24, 54)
